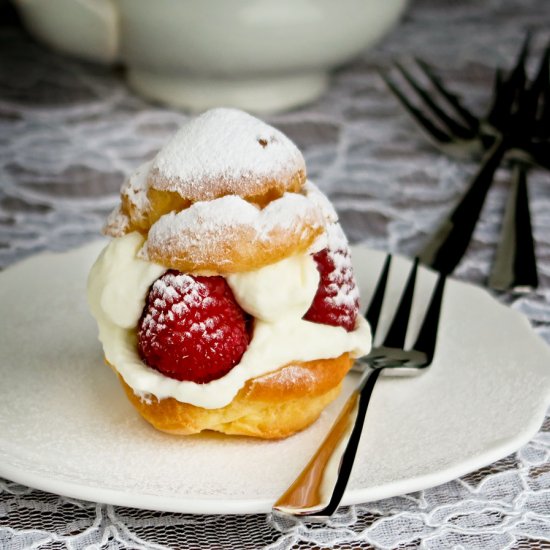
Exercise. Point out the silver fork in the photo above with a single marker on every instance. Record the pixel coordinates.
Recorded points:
(453, 128)
(515, 257)
(319, 488)
(456, 131)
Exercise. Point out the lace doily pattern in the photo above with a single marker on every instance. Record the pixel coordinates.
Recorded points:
(71, 131)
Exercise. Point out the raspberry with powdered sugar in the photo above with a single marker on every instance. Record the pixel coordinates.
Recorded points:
(336, 302)
(192, 328)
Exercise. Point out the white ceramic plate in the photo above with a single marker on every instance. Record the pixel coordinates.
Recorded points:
(66, 427)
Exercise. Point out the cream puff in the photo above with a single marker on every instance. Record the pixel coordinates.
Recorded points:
(226, 300)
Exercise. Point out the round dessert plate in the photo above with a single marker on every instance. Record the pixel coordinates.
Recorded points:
(66, 426)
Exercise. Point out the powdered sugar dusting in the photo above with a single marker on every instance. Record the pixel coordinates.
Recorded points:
(117, 224)
(134, 188)
(284, 212)
(204, 222)
(343, 291)
(178, 292)
(135, 203)
(321, 201)
(336, 238)
(315, 195)
(201, 223)
(290, 375)
(220, 147)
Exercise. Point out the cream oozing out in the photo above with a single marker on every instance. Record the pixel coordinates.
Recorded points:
(280, 290)
(117, 290)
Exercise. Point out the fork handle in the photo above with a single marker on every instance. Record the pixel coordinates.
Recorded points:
(318, 489)
(449, 243)
(515, 264)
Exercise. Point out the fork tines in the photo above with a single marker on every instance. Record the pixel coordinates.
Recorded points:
(515, 128)
(454, 128)
(453, 100)
(438, 111)
(539, 92)
(506, 90)
(396, 334)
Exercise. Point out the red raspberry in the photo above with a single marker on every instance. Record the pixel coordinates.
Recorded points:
(192, 328)
(336, 302)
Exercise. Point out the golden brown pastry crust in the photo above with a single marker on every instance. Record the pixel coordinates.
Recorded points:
(272, 406)
(162, 201)
(243, 248)
(258, 190)
(238, 248)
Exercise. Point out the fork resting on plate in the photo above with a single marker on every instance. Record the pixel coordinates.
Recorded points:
(319, 488)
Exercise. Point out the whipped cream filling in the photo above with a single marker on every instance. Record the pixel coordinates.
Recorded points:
(277, 295)
(277, 291)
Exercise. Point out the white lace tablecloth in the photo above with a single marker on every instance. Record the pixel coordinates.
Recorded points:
(70, 131)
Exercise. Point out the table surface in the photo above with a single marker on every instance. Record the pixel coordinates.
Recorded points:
(70, 132)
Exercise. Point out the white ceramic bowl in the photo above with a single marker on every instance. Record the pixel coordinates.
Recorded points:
(259, 55)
